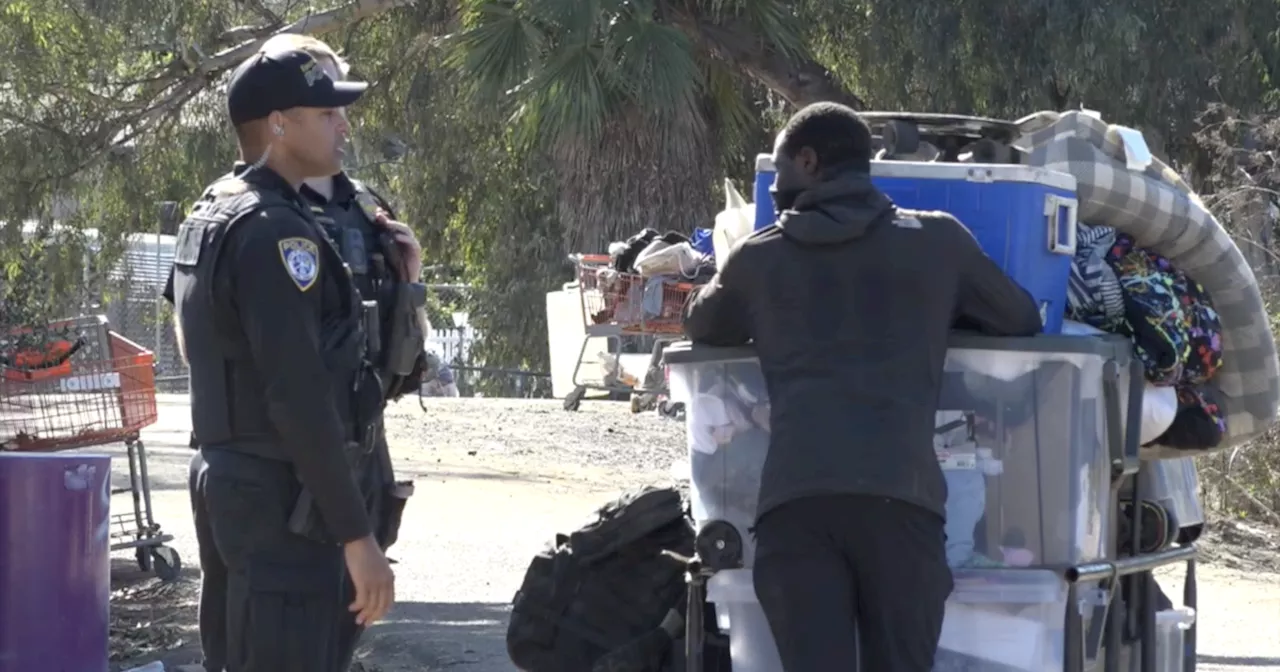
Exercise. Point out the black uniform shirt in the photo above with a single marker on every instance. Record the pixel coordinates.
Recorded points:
(284, 288)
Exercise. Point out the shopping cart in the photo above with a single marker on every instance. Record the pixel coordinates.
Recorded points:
(75, 384)
(619, 305)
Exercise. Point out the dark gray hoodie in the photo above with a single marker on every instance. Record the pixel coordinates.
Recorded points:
(849, 301)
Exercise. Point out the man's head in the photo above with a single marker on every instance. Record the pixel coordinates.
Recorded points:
(288, 102)
(817, 141)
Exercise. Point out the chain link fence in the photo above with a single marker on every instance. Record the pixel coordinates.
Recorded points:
(130, 298)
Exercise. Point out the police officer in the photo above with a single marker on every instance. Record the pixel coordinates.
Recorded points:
(385, 261)
(281, 388)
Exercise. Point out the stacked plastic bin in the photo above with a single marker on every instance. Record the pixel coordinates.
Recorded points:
(1030, 434)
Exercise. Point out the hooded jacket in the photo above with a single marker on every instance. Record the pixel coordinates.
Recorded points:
(849, 301)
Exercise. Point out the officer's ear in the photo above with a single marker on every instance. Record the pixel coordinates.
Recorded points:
(275, 124)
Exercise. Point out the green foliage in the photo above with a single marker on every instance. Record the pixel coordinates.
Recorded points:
(511, 133)
(626, 99)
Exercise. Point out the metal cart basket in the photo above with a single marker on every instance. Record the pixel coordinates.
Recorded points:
(75, 384)
(618, 305)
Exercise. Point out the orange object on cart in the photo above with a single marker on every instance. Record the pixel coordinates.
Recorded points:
(39, 363)
(84, 400)
(628, 301)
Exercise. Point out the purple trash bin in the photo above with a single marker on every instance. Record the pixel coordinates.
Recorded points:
(55, 562)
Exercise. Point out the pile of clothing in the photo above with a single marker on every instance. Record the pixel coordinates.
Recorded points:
(647, 270)
(1121, 288)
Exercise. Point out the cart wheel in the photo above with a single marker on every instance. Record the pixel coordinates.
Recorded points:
(636, 405)
(167, 563)
(574, 400)
(143, 554)
(675, 411)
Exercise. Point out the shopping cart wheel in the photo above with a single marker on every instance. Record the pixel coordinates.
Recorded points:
(167, 563)
(672, 410)
(574, 399)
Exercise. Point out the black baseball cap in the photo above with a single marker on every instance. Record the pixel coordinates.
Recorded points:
(268, 82)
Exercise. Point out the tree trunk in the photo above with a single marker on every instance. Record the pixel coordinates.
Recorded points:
(801, 80)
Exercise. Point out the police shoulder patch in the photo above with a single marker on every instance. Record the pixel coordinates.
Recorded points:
(229, 187)
(301, 259)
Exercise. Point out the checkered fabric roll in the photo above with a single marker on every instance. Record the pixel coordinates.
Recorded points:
(1162, 214)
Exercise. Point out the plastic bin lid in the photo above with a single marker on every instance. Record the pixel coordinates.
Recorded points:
(1110, 346)
(1007, 586)
(1179, 617)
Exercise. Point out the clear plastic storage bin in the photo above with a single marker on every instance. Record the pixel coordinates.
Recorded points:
(1004, 621)
(996, 621)
(1171, 630)
(1021, 436)
(1175, 485)
(751, 644)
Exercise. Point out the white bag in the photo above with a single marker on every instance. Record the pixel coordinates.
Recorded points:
(661, 258)
(732, 224)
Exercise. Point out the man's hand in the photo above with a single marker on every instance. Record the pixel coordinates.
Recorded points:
(409, 245)
(373, 579)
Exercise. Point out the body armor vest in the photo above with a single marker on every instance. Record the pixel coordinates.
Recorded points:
(369, 253)
(228, 402)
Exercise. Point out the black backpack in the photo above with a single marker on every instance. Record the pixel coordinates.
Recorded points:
(611, 594)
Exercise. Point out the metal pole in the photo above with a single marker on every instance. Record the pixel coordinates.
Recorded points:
(168, 217)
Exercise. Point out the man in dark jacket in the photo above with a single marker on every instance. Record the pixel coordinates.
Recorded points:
(849, 301)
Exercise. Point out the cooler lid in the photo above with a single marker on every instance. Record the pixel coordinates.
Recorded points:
(974, 172)
(969, 172)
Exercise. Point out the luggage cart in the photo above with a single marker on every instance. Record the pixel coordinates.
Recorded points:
(74, 384)
(617, 305)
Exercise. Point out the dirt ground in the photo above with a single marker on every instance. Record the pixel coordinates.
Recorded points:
(496, 479)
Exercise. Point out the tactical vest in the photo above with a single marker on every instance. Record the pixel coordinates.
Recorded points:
(369, 252)
(228, 401)
(355, 235)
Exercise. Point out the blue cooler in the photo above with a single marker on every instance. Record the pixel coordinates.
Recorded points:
(1024, 217)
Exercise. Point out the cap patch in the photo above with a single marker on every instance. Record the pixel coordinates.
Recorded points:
(312, 72)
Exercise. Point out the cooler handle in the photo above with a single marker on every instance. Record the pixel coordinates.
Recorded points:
(1060, 218)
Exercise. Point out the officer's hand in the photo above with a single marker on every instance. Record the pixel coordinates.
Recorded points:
(408, 242)
(373, 579)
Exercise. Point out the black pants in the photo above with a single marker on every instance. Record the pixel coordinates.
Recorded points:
(374, 483)
(270, 600)
(213, 577)
(829, 567)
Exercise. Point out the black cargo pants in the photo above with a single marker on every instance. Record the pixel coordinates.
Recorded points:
(374, 482)
(270, 600)
(830, 567)
(213, 577)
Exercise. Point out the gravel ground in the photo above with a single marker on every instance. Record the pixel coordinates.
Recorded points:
(497, 478)
(538, 435)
